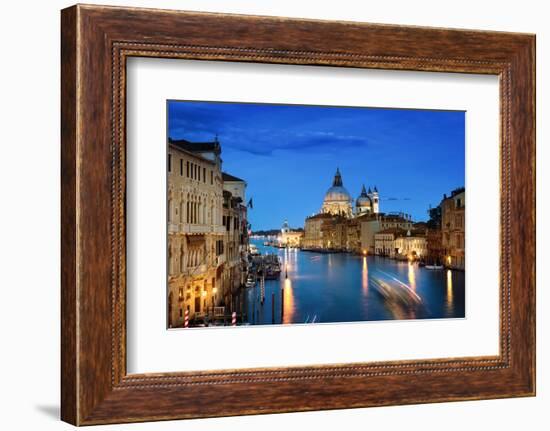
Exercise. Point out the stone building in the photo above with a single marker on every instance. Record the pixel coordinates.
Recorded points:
(362, 228)
(453, 228)
(235, 186)
(411, 246)
(384, 241)
(339, 224)
(234, 246)
(372, 224)
(198, 243)
(334, 233)
(353, 243)
(289, 237)
(313, 231)
(435, 253)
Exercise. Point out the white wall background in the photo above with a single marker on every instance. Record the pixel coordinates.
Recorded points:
(29, 214)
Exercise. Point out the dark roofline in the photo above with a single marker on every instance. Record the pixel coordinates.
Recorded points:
(454, 192)
(199, 147)
(229, 177)
(320, 216)
(192, 154)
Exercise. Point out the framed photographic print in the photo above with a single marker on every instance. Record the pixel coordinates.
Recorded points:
(258, 208)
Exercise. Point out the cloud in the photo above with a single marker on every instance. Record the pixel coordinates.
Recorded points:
(244, 127)
(267, 143)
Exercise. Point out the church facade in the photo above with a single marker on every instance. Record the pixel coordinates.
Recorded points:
(338, 223)
(347, 224)
(338, 201)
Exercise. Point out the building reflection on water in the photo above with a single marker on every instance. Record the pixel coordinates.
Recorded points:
(449, 302)
(288, 314)
(341, 287)
(365, 276)
(412, 276)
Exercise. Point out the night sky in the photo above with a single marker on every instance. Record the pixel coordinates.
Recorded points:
(288, 154)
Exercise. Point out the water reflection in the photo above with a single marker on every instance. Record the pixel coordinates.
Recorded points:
(449, 302)
(288, 300)
(348, 288)
(412, 277)
(365, 277)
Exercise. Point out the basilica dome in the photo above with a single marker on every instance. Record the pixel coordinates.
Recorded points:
(337, 199)
(337, 193)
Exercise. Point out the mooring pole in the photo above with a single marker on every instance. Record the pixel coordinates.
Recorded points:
(272, 307)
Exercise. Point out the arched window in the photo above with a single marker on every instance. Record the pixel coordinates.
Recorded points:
(170, 209)
(182, 259)
(170, 261)
(211, 213)
(182, 210)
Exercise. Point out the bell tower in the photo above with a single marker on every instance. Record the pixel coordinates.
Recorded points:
(375, 201)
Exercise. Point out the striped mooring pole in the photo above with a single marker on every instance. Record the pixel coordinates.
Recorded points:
(262, 290)
(186, 319)
(234, 318)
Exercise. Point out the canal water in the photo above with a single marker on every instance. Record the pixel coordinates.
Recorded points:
(342, 287)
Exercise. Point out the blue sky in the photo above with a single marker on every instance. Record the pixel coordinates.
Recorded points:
(288, 154)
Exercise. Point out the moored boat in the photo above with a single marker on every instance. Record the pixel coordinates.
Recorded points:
(434, 267)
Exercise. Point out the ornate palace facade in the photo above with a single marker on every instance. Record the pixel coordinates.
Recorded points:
(207, 231)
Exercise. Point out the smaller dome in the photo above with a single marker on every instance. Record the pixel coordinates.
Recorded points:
(364, 200)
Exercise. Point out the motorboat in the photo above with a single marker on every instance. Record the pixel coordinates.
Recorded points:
(396, 292)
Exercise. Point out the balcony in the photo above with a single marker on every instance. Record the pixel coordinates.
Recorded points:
(196, 270)
(173, 227)
(195, 228)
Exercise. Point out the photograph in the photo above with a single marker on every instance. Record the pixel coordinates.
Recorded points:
(301, 214)
(262, 210)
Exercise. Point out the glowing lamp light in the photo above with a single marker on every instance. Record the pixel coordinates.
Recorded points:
(204, 293)
(215, 290)
(364, 252)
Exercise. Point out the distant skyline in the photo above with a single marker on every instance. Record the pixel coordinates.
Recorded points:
(288, 154)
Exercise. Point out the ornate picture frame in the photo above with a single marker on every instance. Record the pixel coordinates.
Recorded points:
(96, 41)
